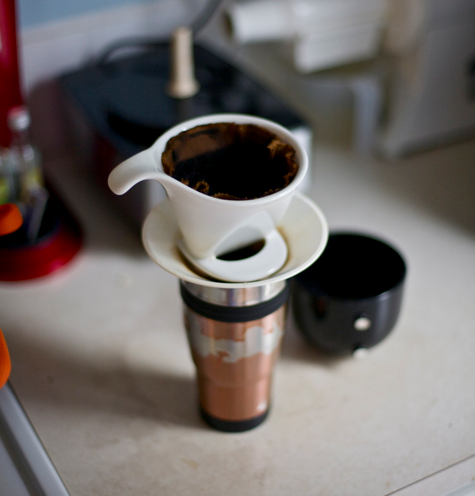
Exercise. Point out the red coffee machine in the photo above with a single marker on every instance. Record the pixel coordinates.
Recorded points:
(9, 73)
(58, 236)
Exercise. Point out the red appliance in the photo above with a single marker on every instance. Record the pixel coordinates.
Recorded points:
(10, 92)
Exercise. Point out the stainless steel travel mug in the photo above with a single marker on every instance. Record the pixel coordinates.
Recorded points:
(235, 337)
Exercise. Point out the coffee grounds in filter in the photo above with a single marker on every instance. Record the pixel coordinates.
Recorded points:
(230, 161)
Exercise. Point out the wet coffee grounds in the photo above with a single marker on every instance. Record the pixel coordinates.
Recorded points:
(230, 161)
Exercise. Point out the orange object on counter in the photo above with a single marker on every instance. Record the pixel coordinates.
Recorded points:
(10, 218)
(5, 362)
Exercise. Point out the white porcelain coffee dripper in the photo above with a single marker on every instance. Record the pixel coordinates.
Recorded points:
(212, 226)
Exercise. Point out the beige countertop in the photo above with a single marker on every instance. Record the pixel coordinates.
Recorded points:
(102, 367)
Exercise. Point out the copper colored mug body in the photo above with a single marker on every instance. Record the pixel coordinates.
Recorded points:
(235, 341)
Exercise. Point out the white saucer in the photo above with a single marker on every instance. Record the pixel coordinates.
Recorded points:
(303, 227)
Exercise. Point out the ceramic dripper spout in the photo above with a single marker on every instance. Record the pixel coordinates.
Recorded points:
(135, 169)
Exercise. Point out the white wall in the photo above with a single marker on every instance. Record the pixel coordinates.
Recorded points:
(48, 50)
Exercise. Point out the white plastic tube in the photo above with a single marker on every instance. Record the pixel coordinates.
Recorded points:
(182, 82)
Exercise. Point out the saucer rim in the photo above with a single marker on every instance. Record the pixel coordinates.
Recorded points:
(279, 276)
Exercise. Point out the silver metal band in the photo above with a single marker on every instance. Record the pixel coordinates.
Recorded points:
(235, 297)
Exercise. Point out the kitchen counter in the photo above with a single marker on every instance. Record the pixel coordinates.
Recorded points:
(102, 367)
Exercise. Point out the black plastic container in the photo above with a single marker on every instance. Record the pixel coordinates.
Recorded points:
(350, 298)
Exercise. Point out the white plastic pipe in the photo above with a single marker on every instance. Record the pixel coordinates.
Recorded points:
(182, 81)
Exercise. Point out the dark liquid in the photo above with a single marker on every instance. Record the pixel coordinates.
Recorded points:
(230, 161)
(242, 253)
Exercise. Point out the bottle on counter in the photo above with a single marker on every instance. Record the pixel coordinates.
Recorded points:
(26, 159)
(31, 196)
(7, 184)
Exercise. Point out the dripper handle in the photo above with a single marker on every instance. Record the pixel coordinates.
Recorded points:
(133, 170)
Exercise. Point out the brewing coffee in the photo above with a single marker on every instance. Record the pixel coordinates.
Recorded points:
(230, 161)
